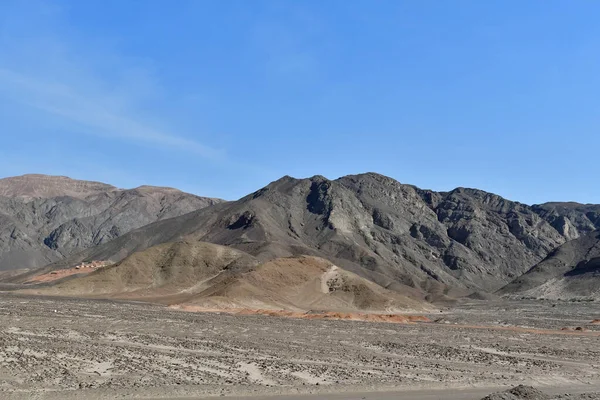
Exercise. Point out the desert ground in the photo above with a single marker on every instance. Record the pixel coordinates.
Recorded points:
(66, 348)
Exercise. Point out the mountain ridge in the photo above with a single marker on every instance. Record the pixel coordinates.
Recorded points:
(40, 185)
(394, 234)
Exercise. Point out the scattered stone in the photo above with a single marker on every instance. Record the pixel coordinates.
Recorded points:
(520, 392)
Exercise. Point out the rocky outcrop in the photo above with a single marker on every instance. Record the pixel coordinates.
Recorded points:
(520, 392)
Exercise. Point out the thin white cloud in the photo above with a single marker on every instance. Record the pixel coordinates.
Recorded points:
(88, 111)
(92, 90)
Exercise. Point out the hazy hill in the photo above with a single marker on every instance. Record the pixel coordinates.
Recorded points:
(396, 235)
(46, 218)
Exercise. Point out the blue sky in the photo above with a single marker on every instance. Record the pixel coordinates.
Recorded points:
(221, 97)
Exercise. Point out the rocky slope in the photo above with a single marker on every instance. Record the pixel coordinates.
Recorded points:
(570, 272)
(44, 218)
(399, 236)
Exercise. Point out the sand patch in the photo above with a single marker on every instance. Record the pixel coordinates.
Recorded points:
(100, 368)
(309, 378)
(82, 269)
(331, 315)
(255, 374)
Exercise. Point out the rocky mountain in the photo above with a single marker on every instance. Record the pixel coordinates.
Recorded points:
(398, 236)
(570, 272)
(46, 218)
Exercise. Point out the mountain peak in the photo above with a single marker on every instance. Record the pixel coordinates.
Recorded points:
(318, 178)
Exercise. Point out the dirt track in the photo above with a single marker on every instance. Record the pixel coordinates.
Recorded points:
(102, 349)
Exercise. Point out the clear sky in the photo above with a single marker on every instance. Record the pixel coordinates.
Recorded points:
(221, 97)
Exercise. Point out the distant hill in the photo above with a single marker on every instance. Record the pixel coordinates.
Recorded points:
(570, 219)
(46, 218)
(440, 244)
(46, 186)
(570, 272)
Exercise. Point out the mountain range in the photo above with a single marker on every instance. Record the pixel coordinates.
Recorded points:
(44, 219)
(420, 243)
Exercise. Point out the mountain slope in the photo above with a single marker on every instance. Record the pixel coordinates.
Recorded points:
(399, 236)
(44, 219)
(217, 277)
(571, 271)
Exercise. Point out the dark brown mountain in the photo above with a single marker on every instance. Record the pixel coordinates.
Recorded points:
(46, 218)
(396, 235)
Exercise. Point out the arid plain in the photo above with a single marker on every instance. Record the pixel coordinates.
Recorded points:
(100, 349)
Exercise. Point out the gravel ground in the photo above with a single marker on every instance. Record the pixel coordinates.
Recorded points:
(72, 348)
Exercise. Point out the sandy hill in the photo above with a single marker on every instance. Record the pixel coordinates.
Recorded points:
(217, 277)
(570, 272)
(166, 269)
(300, 284)
(46, 218)
(444, 244)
